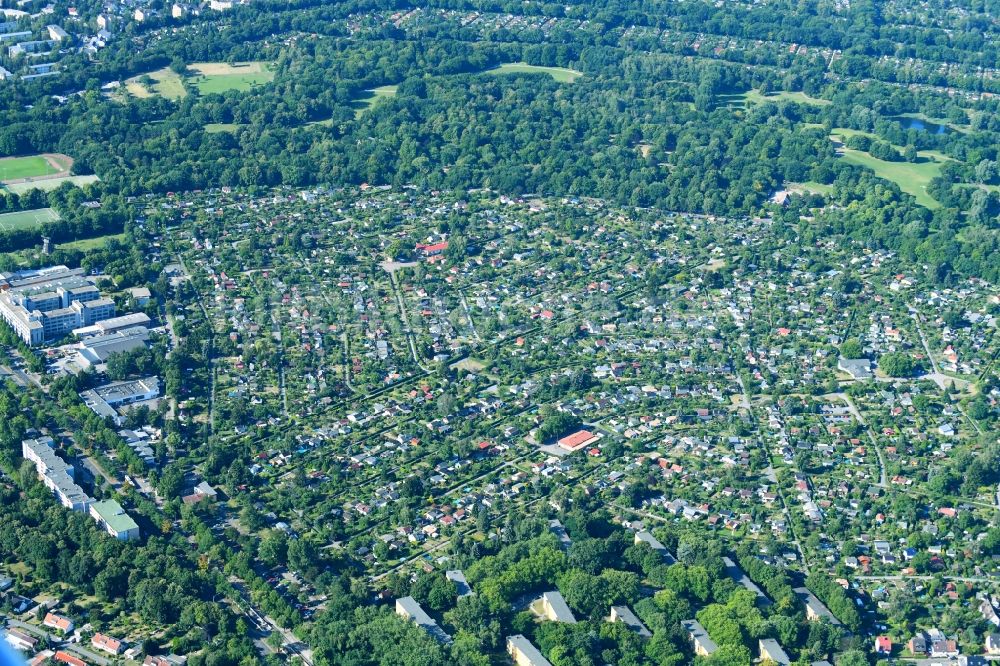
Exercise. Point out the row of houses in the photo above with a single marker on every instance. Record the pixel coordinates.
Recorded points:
(58, 476)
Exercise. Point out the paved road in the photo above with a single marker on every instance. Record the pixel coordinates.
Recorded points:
(404, 317)
(75, 648)
(940, 379)
(769, 472)
(209, 351)
(97, 471)
(22, 378)
(856, 413)
(961, 579)
(265, 623)
(468, 315)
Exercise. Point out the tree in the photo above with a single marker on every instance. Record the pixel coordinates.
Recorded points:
(896, 364)
(986, 171)
(852, 658)
(851, 349)
(179, 66)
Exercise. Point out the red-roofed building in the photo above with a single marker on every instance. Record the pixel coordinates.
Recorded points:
(433, 248)
(58, 622)
(578, 440)
(67, 658)
(883, 645)
(107, 643)
(41, 658)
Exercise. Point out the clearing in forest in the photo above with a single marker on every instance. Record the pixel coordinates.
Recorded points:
(217, 77)
(560, 74)
(19, 169)
(164, 82)
(207, 77)
(372, 96)
(218, 128)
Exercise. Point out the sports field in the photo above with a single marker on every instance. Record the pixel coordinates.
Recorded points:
(32, 166)
(27, 219)
(49, 183)
(809, 186)
(217, 77)
(560, 74)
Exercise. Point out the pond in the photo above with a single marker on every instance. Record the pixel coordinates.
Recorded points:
(921, 125)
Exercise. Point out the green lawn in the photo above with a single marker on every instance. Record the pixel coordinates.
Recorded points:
(25, 167)
(362, 104)
(27, 219)
(85, 244)
(844, 133)
(809, 186)
(744, 99)
(911, 178)
(224, 82)
(217, 77)
(166, 83)
(207, 77)
(560, 74)
(754, 97)
(216, 128)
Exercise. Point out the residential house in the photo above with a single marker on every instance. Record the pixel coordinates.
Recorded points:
(408, 608)
(704, 646)
(58, 622)
(107, 644)
(556, 609)
(524, 653)
(625, 615)
(770, 649)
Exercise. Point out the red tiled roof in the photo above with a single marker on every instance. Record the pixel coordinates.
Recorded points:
(576, 440)
(67, 658)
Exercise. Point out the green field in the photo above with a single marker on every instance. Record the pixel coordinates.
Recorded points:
(85, 244)
(911, 178)
(27, 219)
(362, 104)
(166, 83)
(207, 77)
(32, 166)
(754, 97)
(841, 134)
(810, 186)
(744, 99)
(50, 183)
(560, 74)
(214, 77)
(216, 128)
